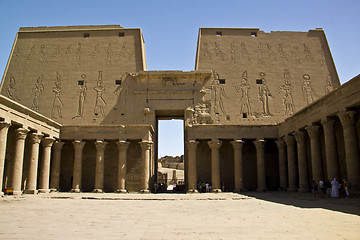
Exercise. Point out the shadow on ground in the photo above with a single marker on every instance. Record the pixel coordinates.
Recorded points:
(307, 200)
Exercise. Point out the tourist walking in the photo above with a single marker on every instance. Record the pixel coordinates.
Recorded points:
(315, 188)
(334, 188)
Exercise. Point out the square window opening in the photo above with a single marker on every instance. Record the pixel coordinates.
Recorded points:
(259, 81)
(81, 82)
(222, 81)
(219, 34)
(121, 34)
(254, 34)
(118, 82)
(86, 35)
(244, 115)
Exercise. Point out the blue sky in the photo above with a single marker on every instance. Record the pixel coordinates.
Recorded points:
(170, 28)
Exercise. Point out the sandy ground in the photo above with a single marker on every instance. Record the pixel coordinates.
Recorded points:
(272, 215)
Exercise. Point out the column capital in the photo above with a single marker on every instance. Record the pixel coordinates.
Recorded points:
(4, 124)
(145, 145)
(100, 145)
(214, 144)
(280, 144)
(237, 143)
(21, 133)
(192, 144)
(36, 138)
(289, 140)
(123, 144)
(300, 137)
(58, 145)
(47, 141)
(328, 122)
(313, 131)
(78, 144)
(259, 144)
(347, 118)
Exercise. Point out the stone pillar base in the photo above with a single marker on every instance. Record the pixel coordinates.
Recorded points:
(304, 190)
(144, 191)
(237, 190)
(31, 191)
(218, 190)
(291, 189)
(17, 193)
(192, 191)
(44, 190)
(261, 189)
(53, 190)
(97, 190)
(75, 190)
(121, 191)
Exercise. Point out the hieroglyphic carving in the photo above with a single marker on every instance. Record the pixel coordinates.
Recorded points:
(288, 101)
(264, 95)
(322, 54)
(260, 54)
(123, 50)
(108, 54)
(307, 52)
(244, 89)
(95, 51)
(17, 54)
(42, 53)
(31, 52)
(82, 97)
(329, 87)
(205, 50)
(217, 95)
(282, 51)
(11, 90)
(78, 53)
(296, 55)
(68, 50)
(57, 51)
(218, 51)
(57, 103)
(308, 91)
(99, 101)
(233, 52)
(244, 52)
(271, 53)
(121, 92)
(37, 91)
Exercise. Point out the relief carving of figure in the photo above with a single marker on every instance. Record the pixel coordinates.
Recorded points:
(99, 102)
(233, 52)
(78, 53)
(82, 96)
(37, 91)
(11, 90)
(202, 114)
(307, 52)
(287, 91)
(264, 95)
(57, 103)
(244, 89)
(296, 55)
(271, 52)
(329, 86)
(31, 52)
(206, 51)
(260, 54)
(218, 51)
(42, 53)
(217, 95)
(108, 54)
(308, 91)
(282, 51)
(95, 51)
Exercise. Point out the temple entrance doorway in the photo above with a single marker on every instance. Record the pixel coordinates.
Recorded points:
(169, 156)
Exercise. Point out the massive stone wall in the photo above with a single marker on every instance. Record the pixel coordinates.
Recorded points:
(71, 74)
(263, 77)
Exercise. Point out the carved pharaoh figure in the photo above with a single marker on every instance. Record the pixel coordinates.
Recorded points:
(11, 90)
(82, 96)
(264, 95)
(57, 103)
(37, 91)
(308, 91)
(99, 101)
(329, 86)
(244, 89)
(217, 95)
(287, 94)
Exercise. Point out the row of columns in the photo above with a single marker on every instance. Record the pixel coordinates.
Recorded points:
(18, 160)
(215, 145)
(122, 159)
(348, 122)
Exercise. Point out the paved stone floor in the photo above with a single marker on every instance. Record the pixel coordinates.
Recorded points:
(271, 215)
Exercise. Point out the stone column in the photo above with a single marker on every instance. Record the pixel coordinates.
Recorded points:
(291, 157)
(238, 165)
(348, 122)
(55, 167)
(316, 163)
(302, 160)
(282, 163)
(47, 143)
(215, 165)
(78, 147)
(122, 146)
(260, 164)
(99, 167)
(4, 127)
(192, 171)
(145, 157)
(332, 164)
(17, 170)
(34, 162)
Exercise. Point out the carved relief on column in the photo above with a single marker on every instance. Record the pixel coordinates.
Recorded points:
(17, 168)
(332, 164)
(145, 155)
(78, 147)
(34, 161)
(55, 166)
(215, 165)
(122, 162)
(260, 165)
(192, 170)
(291, 159)
(238, 165)
(282, 163)
(4, 127)
(302, 161)
(99, 167)
(316, 159)
(348, 122)
(47, 143)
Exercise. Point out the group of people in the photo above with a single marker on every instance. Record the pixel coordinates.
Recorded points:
(204, 187)
(333, 189)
